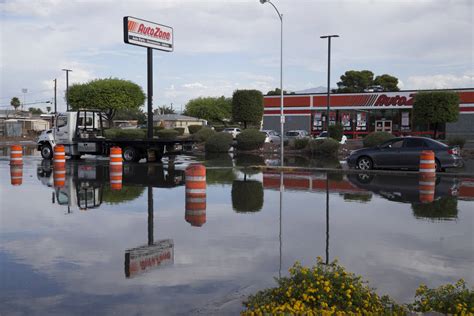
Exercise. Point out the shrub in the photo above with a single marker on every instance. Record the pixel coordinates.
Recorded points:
(447, 299)
(324, 147)
(167, 134)
(250, 139)
(301, 143)
(457, 141)
(376, 138)
(180, 130)
(336, 131)
(320, 290)
(247, 196)
(117, 133)
(194, 128)
(156, 129)
(203, 134)
(219, 143)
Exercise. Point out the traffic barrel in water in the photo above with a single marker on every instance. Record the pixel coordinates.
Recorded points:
(427, 186)
(427, 162)
(59, 158)
(16, 155)
(59, 175)
(195, 195)
(116, 172)
(16, 174)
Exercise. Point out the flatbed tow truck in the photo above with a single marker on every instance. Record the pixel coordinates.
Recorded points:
(82, 133)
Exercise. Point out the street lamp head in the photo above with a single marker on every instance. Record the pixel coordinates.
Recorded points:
(328, 36)
(263, 1)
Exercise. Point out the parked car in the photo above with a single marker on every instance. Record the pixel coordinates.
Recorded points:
(324, 135)
(233, 131)
(404, 153)
(271, 136)
(296, 134)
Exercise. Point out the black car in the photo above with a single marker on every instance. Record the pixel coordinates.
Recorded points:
(404, 153)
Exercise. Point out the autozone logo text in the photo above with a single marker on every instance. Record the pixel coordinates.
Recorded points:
(156, 31)
(384, 100)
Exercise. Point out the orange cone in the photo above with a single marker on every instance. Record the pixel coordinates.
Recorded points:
(16, 155)
(196, 195)
(16, 174)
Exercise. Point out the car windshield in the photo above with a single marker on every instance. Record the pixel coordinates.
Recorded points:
(292, 133)
(323, 134)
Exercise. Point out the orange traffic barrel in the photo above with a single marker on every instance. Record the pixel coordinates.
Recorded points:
(59, 175)
(16, 155)
(115, 174)
(116, 156)
(16, 174)
(427, 162)
(195, 195)
(427, 185)
(59, 157)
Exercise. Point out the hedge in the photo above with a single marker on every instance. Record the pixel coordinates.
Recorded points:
(250, 139)
(117, 133)
(300, 143)
(203, 134)
(180, 130)
(167, 134)
(457, 141)
(376, 138)
(219, 143)
(194, 128)
(336, 131)
(324, 147)
(247, 196)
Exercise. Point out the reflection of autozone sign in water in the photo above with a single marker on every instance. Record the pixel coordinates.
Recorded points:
(145, 258)
(148, 34)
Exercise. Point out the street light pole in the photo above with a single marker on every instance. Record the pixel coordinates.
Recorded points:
(329, 79)
(282, 116)
(67, 88)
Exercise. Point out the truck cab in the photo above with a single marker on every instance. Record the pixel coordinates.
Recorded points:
(76, 131)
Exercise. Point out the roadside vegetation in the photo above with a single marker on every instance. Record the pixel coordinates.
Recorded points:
(331, 290)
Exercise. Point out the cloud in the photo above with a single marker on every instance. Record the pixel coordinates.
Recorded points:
(441, 81)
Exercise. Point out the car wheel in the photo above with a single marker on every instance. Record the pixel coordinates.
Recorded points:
(130, 154)
(46, 151)
(438, 166)
(364, 163)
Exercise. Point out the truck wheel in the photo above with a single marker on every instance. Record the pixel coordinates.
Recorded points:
(130, 154)
(46, 151)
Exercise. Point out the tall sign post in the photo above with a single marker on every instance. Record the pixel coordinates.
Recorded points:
(152, 36)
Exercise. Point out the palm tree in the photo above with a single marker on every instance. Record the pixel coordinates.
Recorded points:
(15, 102)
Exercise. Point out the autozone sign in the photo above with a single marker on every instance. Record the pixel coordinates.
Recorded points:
(148, 34)
(401, 100)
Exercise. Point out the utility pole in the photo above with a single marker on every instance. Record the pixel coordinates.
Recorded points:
(328, 106)
(55, 96)
(67, 88)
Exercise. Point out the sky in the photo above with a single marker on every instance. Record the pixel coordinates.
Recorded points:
(221, 46)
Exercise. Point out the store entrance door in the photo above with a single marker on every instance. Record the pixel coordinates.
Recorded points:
(383, 126)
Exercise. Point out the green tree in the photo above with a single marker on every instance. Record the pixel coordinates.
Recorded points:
(35, 111)
(108, 95)
(436, 107)
(277, 91)
(387, 82)
(161, 110)
(209, 108)
(247, 106)
(355, 81)
(15, 102)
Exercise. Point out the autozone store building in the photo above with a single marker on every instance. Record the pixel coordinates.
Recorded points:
(362, 113)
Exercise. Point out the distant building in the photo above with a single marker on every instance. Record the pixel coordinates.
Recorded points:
(21, 123)
(177, 120)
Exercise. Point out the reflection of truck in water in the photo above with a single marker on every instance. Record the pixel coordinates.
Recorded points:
(87, 184)
(82, 132)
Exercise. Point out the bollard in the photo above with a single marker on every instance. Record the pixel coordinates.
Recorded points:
(427, 185)
(16, 174)
(427, 162)
(115, 171)
(196, 195)
(59, 158)
(16, 155)
(59, 175)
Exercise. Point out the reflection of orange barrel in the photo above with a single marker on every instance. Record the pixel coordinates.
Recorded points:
(427, 162)
(116, 168)
(196, 195)
(59, 158)
(59, 175)
(427, 185)
(16, 155)
(16, 174)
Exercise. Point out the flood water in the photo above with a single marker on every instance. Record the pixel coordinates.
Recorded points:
(85, 245)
